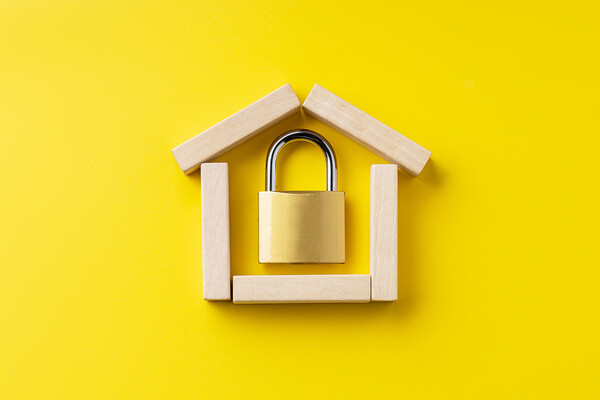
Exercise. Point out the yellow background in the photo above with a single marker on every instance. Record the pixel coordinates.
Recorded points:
(100, 257)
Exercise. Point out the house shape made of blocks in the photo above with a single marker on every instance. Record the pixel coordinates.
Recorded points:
(381, 284)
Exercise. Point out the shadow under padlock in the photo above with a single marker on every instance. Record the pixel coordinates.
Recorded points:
(301, 227)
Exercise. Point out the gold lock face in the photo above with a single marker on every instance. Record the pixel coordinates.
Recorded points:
(301, 227)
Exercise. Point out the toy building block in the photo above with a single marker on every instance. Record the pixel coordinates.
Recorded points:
(216, 269)
(261, 289)
(237, 128)
(366, 130)
(384, 232)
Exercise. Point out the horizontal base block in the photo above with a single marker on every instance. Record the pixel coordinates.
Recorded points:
(265, 289)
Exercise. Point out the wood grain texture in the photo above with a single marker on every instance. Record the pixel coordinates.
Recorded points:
(366, 130)
(237, 128)
(384, 232)
(261, 289)
(216, 269)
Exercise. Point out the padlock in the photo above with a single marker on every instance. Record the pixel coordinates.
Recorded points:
(304, 227)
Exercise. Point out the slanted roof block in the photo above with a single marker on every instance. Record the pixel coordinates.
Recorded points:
(237, 128)
(366, 130)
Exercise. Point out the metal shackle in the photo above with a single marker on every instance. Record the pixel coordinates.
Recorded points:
(308, 136)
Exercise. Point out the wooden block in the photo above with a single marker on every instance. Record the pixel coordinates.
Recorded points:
(366, 130)
(237, 128)
(384, 232)
(216, 270)
(257, 289)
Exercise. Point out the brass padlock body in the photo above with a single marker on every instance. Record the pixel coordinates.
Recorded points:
(301, 227)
